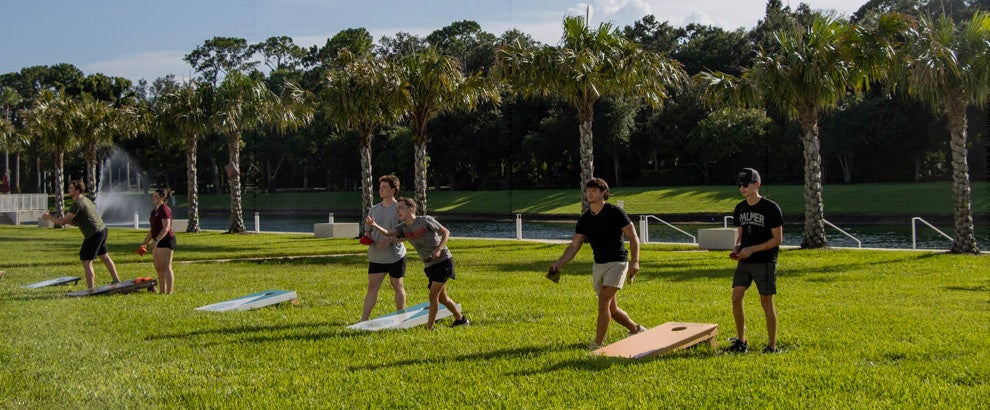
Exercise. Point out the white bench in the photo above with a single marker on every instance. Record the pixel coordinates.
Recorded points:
(717, 238)
(336, 230)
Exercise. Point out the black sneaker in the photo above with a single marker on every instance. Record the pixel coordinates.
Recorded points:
(771, 349)
(738, 346)
(464, 321)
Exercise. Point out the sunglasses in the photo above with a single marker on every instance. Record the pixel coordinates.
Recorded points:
(742, 184)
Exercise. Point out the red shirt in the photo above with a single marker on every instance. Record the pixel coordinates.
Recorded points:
(158, 216)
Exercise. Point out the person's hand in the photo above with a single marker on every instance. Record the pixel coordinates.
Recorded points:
(142, 250)
(369, 221)
(633, 270)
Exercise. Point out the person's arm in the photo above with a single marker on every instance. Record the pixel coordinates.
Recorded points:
(570, 252)
(370, 222)
(630, 232)
(65, 220)
(166, 226)
(444, 235)
(773, 242)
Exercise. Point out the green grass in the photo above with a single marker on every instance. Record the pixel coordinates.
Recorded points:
(862, 329)
(863, 199)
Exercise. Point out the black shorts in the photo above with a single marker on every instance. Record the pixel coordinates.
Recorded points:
(764, 274)
(440, 272)
(395, 269)
(168, 242)
(94, 246)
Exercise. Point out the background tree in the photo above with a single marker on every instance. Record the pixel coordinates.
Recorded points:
(588, 65)
(181, 111)
(949, 69)
(49, 120)
(220, 56)
(362, 95)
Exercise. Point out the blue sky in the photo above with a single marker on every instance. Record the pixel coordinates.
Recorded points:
(148, 38)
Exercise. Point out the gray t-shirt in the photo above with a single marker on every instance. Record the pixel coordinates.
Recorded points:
(424, 235)
(388, 219)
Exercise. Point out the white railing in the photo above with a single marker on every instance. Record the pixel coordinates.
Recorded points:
(23, 202)
(725, 221)
(914, 232)
(644, 228)
(858, 242)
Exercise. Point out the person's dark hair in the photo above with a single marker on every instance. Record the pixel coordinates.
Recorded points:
(409, 202)
(78, 185)
(598, 183)
(392, 180)
(164, 193)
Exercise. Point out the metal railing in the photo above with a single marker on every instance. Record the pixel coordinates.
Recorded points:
(23, 202)
(644, 225)
(858, 242)
(914, 232)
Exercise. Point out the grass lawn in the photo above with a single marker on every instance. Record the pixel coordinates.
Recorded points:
(863, 199)
(861, 329)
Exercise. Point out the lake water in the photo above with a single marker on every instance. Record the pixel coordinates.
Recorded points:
(871, 236)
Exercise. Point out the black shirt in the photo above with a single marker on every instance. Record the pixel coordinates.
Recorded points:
(604, 232)
(757, 222)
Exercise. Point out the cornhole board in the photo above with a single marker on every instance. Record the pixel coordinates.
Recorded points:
(53, 282)
(403, 319)
(662, 339)
(122, 287)
(252, 301)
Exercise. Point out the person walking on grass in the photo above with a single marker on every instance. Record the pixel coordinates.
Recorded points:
(604, 225)
(162, 239)
(83, 215)
(760, 224)
(429, 238)
(385, 256)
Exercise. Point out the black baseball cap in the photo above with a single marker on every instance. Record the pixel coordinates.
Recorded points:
(748, 175)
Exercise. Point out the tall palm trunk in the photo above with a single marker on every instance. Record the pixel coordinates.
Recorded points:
(367, 180)
(236, 212)
(59, 183)
(814, 208)
(964, 240)
(420, 171)
(586, 114)
(191, 184)
(91, 180)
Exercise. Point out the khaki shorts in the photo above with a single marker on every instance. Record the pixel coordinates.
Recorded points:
(611, 274)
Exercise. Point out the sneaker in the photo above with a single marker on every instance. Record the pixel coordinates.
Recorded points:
(639, 329)
(738, 346)
(464, 321)
(594, 346)
(771, 349)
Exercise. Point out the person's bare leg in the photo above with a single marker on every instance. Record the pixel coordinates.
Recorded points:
(400, 293)
(737, 311)
(110, 266)
(771, 312)
(606, 296)
(371, 297)
(90, 275)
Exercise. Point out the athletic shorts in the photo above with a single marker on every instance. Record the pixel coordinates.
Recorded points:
(168, 242)
(764, 274)
(612, 274)
(440, 272)
(395, 269)
(94, 246)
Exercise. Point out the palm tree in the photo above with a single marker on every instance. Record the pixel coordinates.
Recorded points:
(364, 93)
(586, 66)
(434, 83)
(812, 70)
(183, 113)
(49, 119)
(948, 69)
(244, 104)
(8, 99)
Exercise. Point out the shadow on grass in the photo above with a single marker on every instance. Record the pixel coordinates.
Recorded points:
(241, 330)
(518, 352)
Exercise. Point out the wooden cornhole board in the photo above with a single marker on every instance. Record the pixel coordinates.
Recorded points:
(119, 287)
(52, 282)
(403, 319)
(252, 301)
(662, 339)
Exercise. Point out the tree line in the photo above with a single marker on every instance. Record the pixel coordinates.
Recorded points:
(804, 96)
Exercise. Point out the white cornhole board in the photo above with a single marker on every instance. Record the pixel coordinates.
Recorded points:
(403, 319)
(52, 282)
(252, 301)
(661, 339)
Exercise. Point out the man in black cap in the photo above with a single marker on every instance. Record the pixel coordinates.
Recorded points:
(761, 231)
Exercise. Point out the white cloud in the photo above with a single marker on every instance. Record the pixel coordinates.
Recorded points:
(148, 65)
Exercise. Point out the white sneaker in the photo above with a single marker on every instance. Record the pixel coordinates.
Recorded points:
(594, 346)
(639, 329)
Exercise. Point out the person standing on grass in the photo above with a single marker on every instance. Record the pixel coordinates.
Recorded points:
(162, 239)
(83, 214)
(385, 256)
(761, 231)
(604, 225)
(429, 238)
